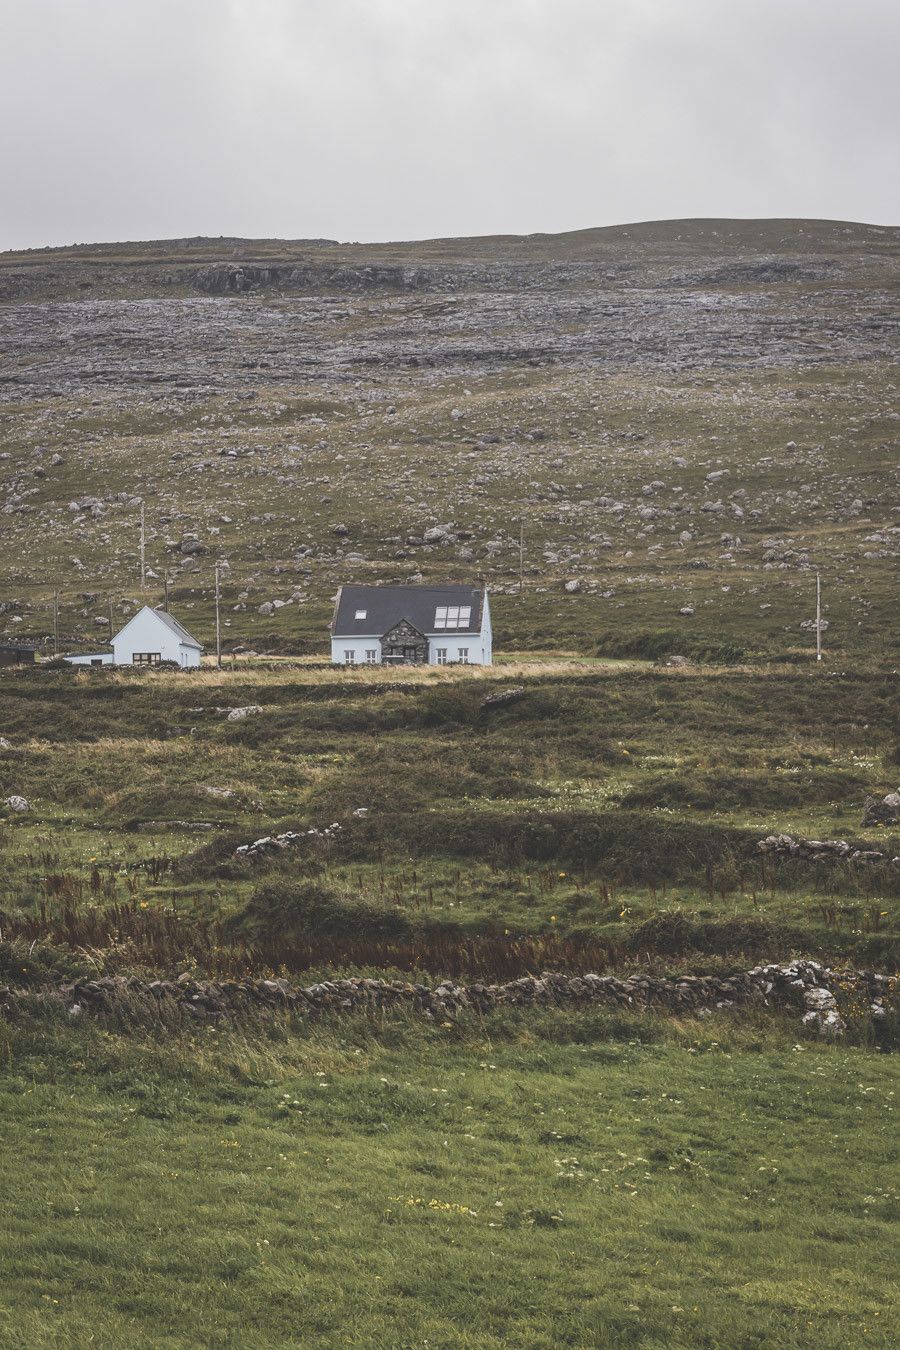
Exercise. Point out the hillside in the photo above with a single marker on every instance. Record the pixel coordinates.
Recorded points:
(684, 414)
(577, 971)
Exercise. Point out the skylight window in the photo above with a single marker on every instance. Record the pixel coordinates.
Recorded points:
(361, 613)
(452, 616)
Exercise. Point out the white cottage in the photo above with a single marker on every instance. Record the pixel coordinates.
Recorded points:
(411, 625)
(148, 638)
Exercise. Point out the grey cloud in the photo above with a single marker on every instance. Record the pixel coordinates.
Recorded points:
(377, 119)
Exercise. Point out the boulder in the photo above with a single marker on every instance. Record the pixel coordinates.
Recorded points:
(503, 696)
(882, 810)
(192, 547)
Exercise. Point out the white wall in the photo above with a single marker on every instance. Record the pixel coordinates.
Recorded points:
(487, 633)
(359, 646)
(146, 632)
(90, 659)
(478, 645)
(470, 642)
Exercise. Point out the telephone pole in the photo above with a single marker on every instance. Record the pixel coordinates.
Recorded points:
(56, 623)
(166, 585)
(143, 552)
(818, 617)
(218, 625)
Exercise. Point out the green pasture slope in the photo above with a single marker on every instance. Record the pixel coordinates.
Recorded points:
(608, 805)
(534, 1180)
(560, 1180)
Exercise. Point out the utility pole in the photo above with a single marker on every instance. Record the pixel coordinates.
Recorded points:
(56, 623)
(218, 625)
(166, 585)
(521, 555)
(109, 615)
(818, 617)
(143, 552)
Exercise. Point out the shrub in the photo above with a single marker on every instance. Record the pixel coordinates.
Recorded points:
(657, 644)
(291, 911)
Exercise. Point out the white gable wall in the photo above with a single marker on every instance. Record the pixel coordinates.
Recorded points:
(147, 632)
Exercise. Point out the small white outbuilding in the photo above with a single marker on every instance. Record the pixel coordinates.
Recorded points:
(150, 637)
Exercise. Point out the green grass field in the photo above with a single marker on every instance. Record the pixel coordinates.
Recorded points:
(566, 1180)
(539, 1179)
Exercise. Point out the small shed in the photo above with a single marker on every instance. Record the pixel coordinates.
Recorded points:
(17, 654)
(90, 659)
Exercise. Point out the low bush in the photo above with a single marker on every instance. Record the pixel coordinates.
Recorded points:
(292, 911)
(657, 644)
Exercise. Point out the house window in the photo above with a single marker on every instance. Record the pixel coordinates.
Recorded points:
(371, 655)
(146, 658)
(452, 616)
(349, 658)
(463, 656)
(441, 655)
(360, 613)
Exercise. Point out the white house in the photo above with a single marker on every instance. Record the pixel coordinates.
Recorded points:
(411, 625)
(148, 638)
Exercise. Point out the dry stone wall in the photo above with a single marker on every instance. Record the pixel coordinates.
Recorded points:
(815, 992)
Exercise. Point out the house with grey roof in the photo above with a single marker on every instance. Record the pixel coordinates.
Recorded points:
(150, 637)
(411, 625)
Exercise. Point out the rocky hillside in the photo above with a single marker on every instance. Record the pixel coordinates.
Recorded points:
(687, 418)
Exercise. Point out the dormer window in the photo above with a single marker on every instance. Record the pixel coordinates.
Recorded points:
(360, 613)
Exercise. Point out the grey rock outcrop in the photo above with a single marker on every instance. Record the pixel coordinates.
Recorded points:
(882, 810)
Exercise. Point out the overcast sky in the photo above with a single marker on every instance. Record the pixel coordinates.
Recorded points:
(401, 119)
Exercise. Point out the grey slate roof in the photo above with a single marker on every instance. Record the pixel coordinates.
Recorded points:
(387, 605)
(178, 629)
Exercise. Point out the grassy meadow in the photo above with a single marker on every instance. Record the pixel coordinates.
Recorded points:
(646, 443)
(583, 1180)
(536, 1179)
(618, 807)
